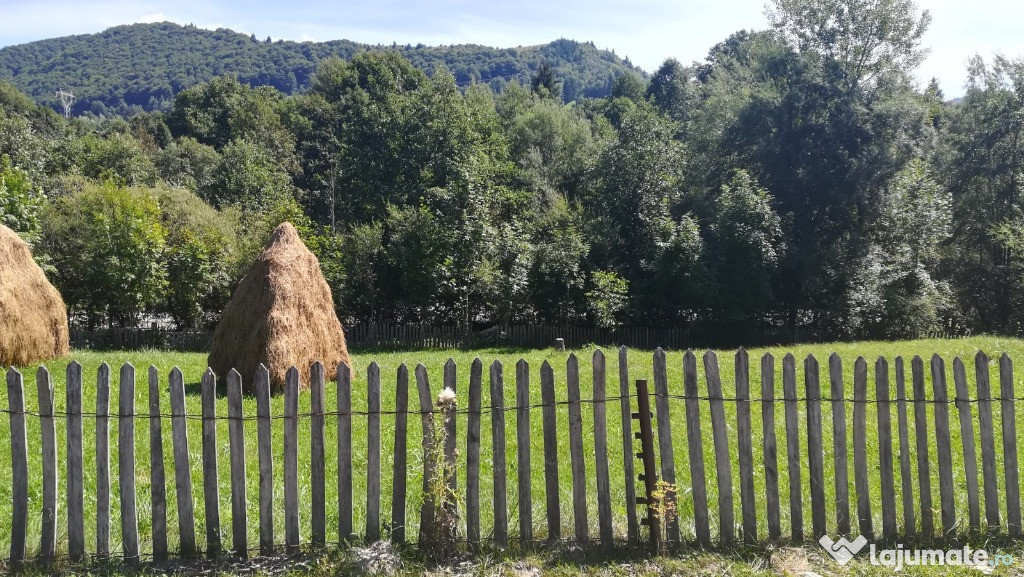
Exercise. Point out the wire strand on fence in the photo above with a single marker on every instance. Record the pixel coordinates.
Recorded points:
(508, 408)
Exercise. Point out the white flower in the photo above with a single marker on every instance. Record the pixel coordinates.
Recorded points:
(445, 397)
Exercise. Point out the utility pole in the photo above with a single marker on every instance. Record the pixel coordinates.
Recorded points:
(66, 100)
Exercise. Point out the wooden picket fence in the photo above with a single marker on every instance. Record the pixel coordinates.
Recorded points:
(694, 398)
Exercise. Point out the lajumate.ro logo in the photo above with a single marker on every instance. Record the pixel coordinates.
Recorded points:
(844, 550)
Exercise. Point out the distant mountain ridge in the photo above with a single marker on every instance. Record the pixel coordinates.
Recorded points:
(142, 66)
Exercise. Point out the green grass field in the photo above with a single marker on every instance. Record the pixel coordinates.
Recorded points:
(640, 367)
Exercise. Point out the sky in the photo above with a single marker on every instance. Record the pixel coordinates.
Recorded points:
(645, 31)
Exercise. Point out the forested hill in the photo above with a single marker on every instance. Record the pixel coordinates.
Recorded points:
(145, 65)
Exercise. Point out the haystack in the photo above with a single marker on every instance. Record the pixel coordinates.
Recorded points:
(33, 316)
(281, 315)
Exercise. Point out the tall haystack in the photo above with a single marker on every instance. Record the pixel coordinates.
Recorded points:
(281, 315)
(33, 316)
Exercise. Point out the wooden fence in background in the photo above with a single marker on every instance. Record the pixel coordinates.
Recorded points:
(805, 452)
(415, 336)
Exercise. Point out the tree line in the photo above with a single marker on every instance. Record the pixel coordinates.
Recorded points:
(795, 177)
(141, 67)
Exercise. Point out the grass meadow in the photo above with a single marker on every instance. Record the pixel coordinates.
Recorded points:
(640, 367)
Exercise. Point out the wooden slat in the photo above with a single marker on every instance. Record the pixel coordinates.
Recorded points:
(815, 447)
(182, 473)
(604, 497)
(344, 403)
(75, 492)
(694, 440)
(399, 472)
(632, 525)
(473, 454)
(921, 434)
(102, 467)
(427, 423)
(126, 463)
(771, 459)
(373, 452)
(19, 464)
(1009, 421)
(748, 500)
(885, 463)
(665, 448)
(840, 457)
(211, 498)
(942, 445)
(796, 507)
(577, 463)
(547, 394)
(860, 451)
(988, 440)
(236, 446)
(291, 460)
(963, 408)
(158, 484)
(265, 449)
(48, 445)
(720, 436)
(317, 473)
(450, 427)
(522, 452)
(906, 481)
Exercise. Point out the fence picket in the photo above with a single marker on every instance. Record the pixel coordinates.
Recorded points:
(236, 442)
(604, 498)
(126, 463)
(815, 449)
(771, 458)
(885, 464)
(746, 447)
(921, 439)
(694, 440)
(75, 492)
(157, 482)
(632, 525)
(373, 453)
(942, 444)
(1009, 421)
(399, 472)
(264, 442)
(547, 393)
(522, 451)
(450, 427)
(427, 423)
(720, 438)
(344, 402)
(796, 507)
(48, 432)
(102, 468)
(988, 443)
(473, 455)
(839, 451)
(860, 452)
(498, 458)
(963, 408)
(317, 473)
(182, 474)
(291, 465)
(665, 449)
(19, 464)
(578, 465)
(906, 481)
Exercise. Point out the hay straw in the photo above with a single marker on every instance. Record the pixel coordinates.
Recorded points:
(33, 316)
(281, 315)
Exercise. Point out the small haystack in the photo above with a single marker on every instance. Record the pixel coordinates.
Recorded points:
(33, 316)
(281, 315)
